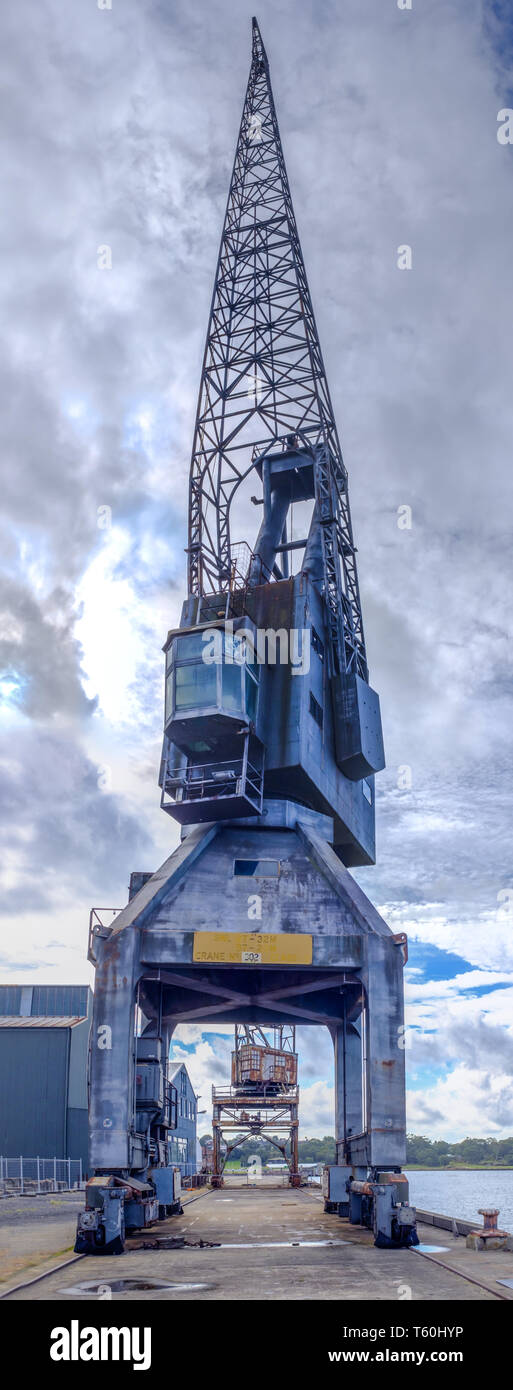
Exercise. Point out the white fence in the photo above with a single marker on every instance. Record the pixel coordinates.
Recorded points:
(39, 1174)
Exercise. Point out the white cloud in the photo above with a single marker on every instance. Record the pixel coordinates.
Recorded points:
(467, 1102)
(316, 1114)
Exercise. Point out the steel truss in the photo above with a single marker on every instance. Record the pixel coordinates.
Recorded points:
(263, 376)
(239, 1115)
(283, 1036)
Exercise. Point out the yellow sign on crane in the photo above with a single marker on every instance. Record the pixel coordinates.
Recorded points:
(253, 948)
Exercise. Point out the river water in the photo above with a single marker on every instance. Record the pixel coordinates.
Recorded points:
(461, 1193)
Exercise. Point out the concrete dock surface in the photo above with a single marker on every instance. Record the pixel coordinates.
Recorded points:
(265, 1242)
(36, 1232)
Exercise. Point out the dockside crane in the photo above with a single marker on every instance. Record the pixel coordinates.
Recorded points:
(272, 739)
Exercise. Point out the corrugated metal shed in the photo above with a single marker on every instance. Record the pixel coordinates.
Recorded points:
(71, 1000)
(10, 999)
(34, 1067)
(44, 1032)
(48, 1001)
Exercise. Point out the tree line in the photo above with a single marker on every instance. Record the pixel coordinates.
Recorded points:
(427, 1153)
(440, 1153)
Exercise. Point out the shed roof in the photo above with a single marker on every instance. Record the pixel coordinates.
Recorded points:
(18, 1021)
(175, 1067)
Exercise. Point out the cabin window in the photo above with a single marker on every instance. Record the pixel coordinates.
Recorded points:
(193, 683)
(232, 687)
(189, 648)
(251, 693)
(169, 695)
(196, 686)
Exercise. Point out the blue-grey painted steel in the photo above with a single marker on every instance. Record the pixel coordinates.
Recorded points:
(335, 1183)
(385, 1209)
(301, 727)
(150, 947)
(295, 719)
(358, 721)
(101, 1229)
(167, 1185)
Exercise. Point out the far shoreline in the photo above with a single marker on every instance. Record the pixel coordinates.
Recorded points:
(460, 1167)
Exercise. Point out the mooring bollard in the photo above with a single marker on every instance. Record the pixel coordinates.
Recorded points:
(489, 1237)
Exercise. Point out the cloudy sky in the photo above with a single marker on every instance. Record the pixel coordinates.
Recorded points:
(121, 125)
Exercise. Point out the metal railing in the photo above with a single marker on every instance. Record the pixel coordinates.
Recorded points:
(275, 1094)
(221, 780)
(217, 779)
(39, 1174)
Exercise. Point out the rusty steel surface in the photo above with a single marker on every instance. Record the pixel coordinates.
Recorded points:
(489, 1230)
(263, 1065)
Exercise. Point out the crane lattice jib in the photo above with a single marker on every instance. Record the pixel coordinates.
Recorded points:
(263, 374)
